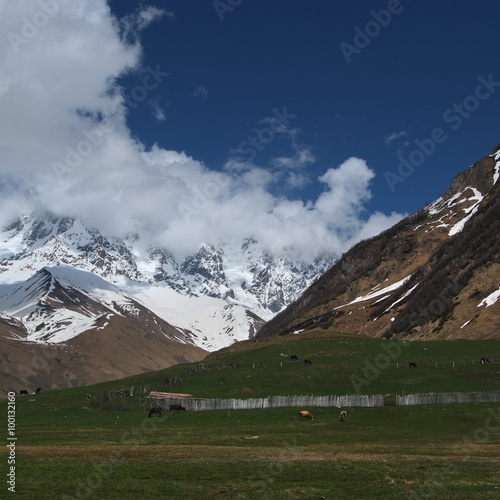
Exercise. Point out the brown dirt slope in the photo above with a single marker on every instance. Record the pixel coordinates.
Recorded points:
(127, 346)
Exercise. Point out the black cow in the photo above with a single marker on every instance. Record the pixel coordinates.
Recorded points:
(484, 360)
(412, 365)
(178, 408)
(293, 357)
(155, 411)
(38, 390)
(308, 362)
(23, 392)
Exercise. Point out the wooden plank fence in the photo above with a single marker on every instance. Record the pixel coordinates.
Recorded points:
(171, 395)
(365, 401)
(121, 398)
(199, 404)
(448, 398)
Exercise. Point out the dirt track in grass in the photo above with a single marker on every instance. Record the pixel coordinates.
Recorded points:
(491, 453)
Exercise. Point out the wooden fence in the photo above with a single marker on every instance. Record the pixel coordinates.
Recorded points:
(120, 399)
(366, 401)
(448, 398)
(196, 404)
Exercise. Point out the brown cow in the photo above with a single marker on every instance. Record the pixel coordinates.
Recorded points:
(343, 415)
(305, 415)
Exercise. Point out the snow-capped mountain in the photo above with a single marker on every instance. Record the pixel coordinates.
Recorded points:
(75, 328)
(215, 297)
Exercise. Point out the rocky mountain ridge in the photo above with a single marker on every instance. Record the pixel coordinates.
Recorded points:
(237, 287)
(98, 308)
(434, 275)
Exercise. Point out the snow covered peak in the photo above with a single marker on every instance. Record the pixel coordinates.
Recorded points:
(236, 282)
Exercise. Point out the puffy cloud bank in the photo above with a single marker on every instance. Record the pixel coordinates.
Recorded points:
(66, 147)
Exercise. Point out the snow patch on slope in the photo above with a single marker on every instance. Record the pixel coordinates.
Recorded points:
(496, 175)
(378, 293)
(470, 211)
(491, 299)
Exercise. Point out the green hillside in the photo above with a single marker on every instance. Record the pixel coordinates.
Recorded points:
(341, 364)
(69, 448)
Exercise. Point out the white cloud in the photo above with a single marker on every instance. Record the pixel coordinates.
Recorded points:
(201, 92)
(151, 14)
(302, 156)
(394, 136)
(132, 24)
(65, 146)
(158, 111)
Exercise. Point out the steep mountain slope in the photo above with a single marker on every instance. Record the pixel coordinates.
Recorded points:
(125, 349)
(65, 327)
(434, 275)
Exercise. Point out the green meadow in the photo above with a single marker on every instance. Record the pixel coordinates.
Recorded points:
(68, 449)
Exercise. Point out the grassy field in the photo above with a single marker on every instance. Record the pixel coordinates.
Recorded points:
(68, 449)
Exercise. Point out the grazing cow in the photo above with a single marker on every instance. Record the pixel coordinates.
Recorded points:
(23, 392)
(412, 365)
(484, 360)
(343, 415)
(305, 415)
(155, 411)
(308, 362)
(88, 396)
(293, 357)
(177, 408)
(38, 390)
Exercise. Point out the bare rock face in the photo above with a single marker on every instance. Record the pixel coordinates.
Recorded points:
(480, 176)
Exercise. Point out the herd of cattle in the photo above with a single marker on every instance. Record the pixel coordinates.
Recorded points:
(157, 410)
(24, 392)
(303, 414)
(294, 357)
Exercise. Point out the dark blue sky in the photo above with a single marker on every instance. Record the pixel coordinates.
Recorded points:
(229, 67)
(308, 126)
